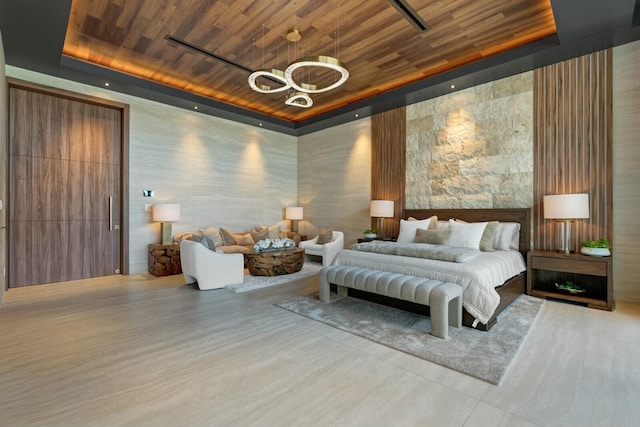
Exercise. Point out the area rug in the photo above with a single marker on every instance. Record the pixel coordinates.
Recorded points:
(484, 355)
(251, 283)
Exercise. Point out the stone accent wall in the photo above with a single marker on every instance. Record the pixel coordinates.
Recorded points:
(472, 148)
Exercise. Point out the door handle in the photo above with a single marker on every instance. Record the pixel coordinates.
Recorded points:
(110, 213)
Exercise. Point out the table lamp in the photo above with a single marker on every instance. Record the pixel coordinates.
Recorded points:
(565, 208)
(293, 213)
(166, 213)
(381, 209)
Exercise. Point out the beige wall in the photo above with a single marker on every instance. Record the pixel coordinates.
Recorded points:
(472, 148)
(626, 172)
(3, 170)
(221, 173)
(334, 179)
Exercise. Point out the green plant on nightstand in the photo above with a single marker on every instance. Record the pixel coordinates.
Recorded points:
(370, 233)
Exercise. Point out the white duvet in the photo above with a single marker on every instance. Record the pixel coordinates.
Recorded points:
(478, 276)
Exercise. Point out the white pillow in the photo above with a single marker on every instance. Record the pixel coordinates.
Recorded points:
(507, 237)
(466, 235)
(442, 225)
(408, 228)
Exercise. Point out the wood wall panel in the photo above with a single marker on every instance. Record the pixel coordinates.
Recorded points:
(573, 143)
(388, 163)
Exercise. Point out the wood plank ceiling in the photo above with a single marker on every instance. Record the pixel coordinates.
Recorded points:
(381, 49)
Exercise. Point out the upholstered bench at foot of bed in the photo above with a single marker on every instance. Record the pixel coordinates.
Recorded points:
(444, 299)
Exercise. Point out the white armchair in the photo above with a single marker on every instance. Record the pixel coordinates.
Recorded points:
(210, 269)
(328, 251)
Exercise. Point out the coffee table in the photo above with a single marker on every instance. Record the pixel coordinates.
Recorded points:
(275, 263)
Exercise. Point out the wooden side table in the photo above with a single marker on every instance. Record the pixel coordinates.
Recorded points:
(164, 260)
(593, 274)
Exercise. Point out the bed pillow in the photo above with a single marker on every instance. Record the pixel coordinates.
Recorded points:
(507, 237)
(408, 228)
(488, 237)
(433, 237)
(466, 235)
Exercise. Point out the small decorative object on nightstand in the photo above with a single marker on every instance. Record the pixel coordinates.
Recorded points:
(581, 279)
(164, 260)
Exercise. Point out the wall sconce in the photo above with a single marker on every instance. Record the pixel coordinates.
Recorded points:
(166, 214)
(293, 213)
(565, 208)
(381, 209)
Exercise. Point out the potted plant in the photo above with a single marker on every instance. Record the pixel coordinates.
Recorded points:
(370, 233)
(600, 247)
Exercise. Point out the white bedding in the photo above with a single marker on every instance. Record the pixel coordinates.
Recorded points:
(478, 276)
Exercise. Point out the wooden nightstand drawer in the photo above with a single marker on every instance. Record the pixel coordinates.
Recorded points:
(594, 268)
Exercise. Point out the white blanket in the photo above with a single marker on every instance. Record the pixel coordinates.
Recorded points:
(478, 276)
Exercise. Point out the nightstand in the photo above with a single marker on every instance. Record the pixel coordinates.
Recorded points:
(164, 260)
(593, 274)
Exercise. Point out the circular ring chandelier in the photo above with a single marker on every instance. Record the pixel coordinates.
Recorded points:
(316, 61)
(299, 99)
(274, 75)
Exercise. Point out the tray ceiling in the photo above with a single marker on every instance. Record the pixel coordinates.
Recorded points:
(380, 47)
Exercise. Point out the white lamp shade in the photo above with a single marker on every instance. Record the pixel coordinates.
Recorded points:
(166, 212)
(566, 206)
(382, 208)
(293, 212)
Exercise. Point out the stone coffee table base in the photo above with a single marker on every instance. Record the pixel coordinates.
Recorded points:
(275, 263)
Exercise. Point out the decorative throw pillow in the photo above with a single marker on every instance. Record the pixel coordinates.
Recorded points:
(259, 233)
(227, 237)
(274, 231)
(466, 235)
(433, 237)
(325, 236)
(202, 240)
(213, 235)
(408, 228)
(243, 239)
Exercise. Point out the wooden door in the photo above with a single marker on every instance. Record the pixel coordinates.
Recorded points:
(64, 169)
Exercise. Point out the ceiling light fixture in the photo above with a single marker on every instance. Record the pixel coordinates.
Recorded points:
(299, 97)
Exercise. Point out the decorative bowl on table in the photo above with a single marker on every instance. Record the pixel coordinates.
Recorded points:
(370, 235)
(595, 251)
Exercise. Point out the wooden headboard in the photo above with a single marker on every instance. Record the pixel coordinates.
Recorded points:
(521, 215)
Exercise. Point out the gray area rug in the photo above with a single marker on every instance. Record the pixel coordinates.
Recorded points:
(251, 283)
(484, 355)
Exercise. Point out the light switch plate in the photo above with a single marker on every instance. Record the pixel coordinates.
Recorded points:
(147, 208)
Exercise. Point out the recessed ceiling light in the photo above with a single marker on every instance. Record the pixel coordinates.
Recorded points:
(453, 86)
(106, 84)
(260, 124)
(195, 108)
(357, 115)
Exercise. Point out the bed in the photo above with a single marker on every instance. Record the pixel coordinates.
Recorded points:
(497, 293)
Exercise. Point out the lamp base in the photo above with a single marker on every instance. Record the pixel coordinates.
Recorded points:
(564, 236)
(381, 228)
(165, 230)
